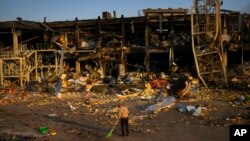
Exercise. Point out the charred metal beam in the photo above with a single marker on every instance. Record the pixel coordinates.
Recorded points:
(88, 57)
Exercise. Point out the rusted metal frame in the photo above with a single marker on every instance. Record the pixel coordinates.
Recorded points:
(223, 53)
(55, 56)
(26, 70)
(196, 4)
(92, 56)
(215, 71)
(210, 61)
(13, 73)
(30, 39)
(193, 48)
(36, 65)
(21, 73)
(207, 53)
(30, 64)
(215, 76)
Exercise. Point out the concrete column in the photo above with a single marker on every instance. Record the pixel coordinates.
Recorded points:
(160, 22)
(15, 40)
(123, 29)
(122, 70)
(99, 31)
(77, 36)
(146, 33)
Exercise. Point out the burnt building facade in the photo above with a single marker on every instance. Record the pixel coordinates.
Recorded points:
(110, 45)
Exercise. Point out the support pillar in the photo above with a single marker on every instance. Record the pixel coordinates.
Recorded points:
(125, 62)
(122, 40)
(99, 31)
(101, 64)
(15, 40)
(77, 35)
(171, 38)
(1, 71)
(123, 29)
(223, 49)
(160, 22)
(147, 61)
(78, 67)
(146, 33)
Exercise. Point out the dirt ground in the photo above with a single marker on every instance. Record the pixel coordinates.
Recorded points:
(79, 117)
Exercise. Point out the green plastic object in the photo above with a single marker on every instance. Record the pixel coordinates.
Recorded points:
(43, 130)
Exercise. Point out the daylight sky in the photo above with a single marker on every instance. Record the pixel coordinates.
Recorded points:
(60, 10)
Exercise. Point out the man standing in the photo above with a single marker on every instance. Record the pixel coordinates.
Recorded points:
(123, 116)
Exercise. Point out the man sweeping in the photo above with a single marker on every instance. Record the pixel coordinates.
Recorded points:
(123, 116)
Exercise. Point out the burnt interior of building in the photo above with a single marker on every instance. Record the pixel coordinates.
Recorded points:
(31, 51)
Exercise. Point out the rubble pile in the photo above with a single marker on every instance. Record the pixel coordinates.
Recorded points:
(147, 98)
(239, 76)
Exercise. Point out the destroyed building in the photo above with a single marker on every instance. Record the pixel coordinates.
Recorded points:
(157, 41)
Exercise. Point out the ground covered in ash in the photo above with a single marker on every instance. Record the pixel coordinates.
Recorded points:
(78, 116)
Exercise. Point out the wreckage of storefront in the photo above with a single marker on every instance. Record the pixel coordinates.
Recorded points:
(160, 40)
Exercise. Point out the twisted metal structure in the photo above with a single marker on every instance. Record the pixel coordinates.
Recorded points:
(209, 54)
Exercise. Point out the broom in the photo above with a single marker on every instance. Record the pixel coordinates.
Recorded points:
(111, 131)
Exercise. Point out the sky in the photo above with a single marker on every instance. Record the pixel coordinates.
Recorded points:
(61, 10)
